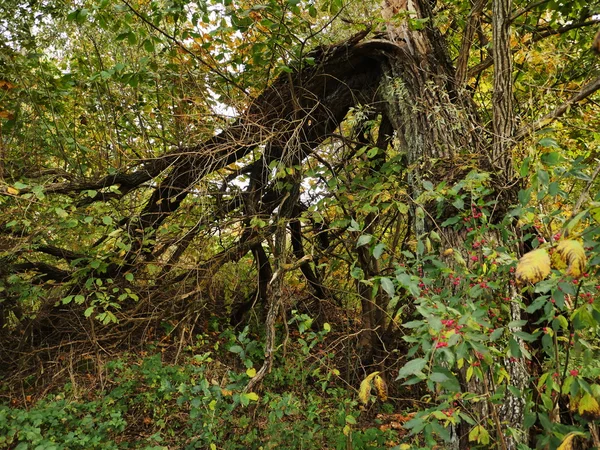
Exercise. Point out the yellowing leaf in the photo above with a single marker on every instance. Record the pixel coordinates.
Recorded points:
(571, 254)
(251, 372)
(479, 434)
(533, 267)
(253, 396)
(567, 443)
(364, 392)
(588, 405)
(12, 191)
(381, 388)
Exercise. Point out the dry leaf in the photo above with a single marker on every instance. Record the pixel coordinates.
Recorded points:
(567, 443)
(570, 254)
(533, 266)
(381, 387)
(364, 392)
(6, 85)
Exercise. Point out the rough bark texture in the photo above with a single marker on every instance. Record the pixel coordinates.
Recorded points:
(435, 121)
(502, 100)
(511, 412)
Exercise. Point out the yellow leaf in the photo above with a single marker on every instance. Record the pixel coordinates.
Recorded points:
(381, 388)
(567, 443)
(588, 405)
(251, 372)
(12, 191)
(469, 373)
(533, 267)
(253, 396)
(364, 392)
(572, 254)
(448, 252)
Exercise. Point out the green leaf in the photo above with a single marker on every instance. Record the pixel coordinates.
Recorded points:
(88, 312)
(149, 46)
(514, 347)
(450, 221)
(364, 240)
(131, 38)
(525, 167)
(351, 420)
(378, 250)
(413, 367)
(538, 303)
(61, 213)
(548, 142)
(497, 333)
(524, 196)
(387, 286)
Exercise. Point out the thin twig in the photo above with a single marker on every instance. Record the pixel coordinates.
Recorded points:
(585, 92)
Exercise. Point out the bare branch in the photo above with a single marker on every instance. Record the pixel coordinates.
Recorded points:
(585, 92)
(526, 9)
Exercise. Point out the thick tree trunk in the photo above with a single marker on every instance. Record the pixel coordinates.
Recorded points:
(438, 130)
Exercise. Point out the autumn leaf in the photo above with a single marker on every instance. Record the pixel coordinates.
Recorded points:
(571, 254)
(533, 267)
(6, 85)
(381, 387)
(588, 406)
(567, 443)
(364, 392)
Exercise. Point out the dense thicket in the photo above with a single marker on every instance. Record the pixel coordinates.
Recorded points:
(169, 168)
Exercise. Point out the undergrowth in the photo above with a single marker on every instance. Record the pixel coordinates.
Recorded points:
(146, 401)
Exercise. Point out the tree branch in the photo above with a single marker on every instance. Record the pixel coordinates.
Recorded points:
(467, 42)
(585, 92)
(542, 34)
(46, 271)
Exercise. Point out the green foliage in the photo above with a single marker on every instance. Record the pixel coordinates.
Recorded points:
(417, 273)
(464, 338)
(150, 404)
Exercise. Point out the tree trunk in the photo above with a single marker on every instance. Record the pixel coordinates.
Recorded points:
(438, 129)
